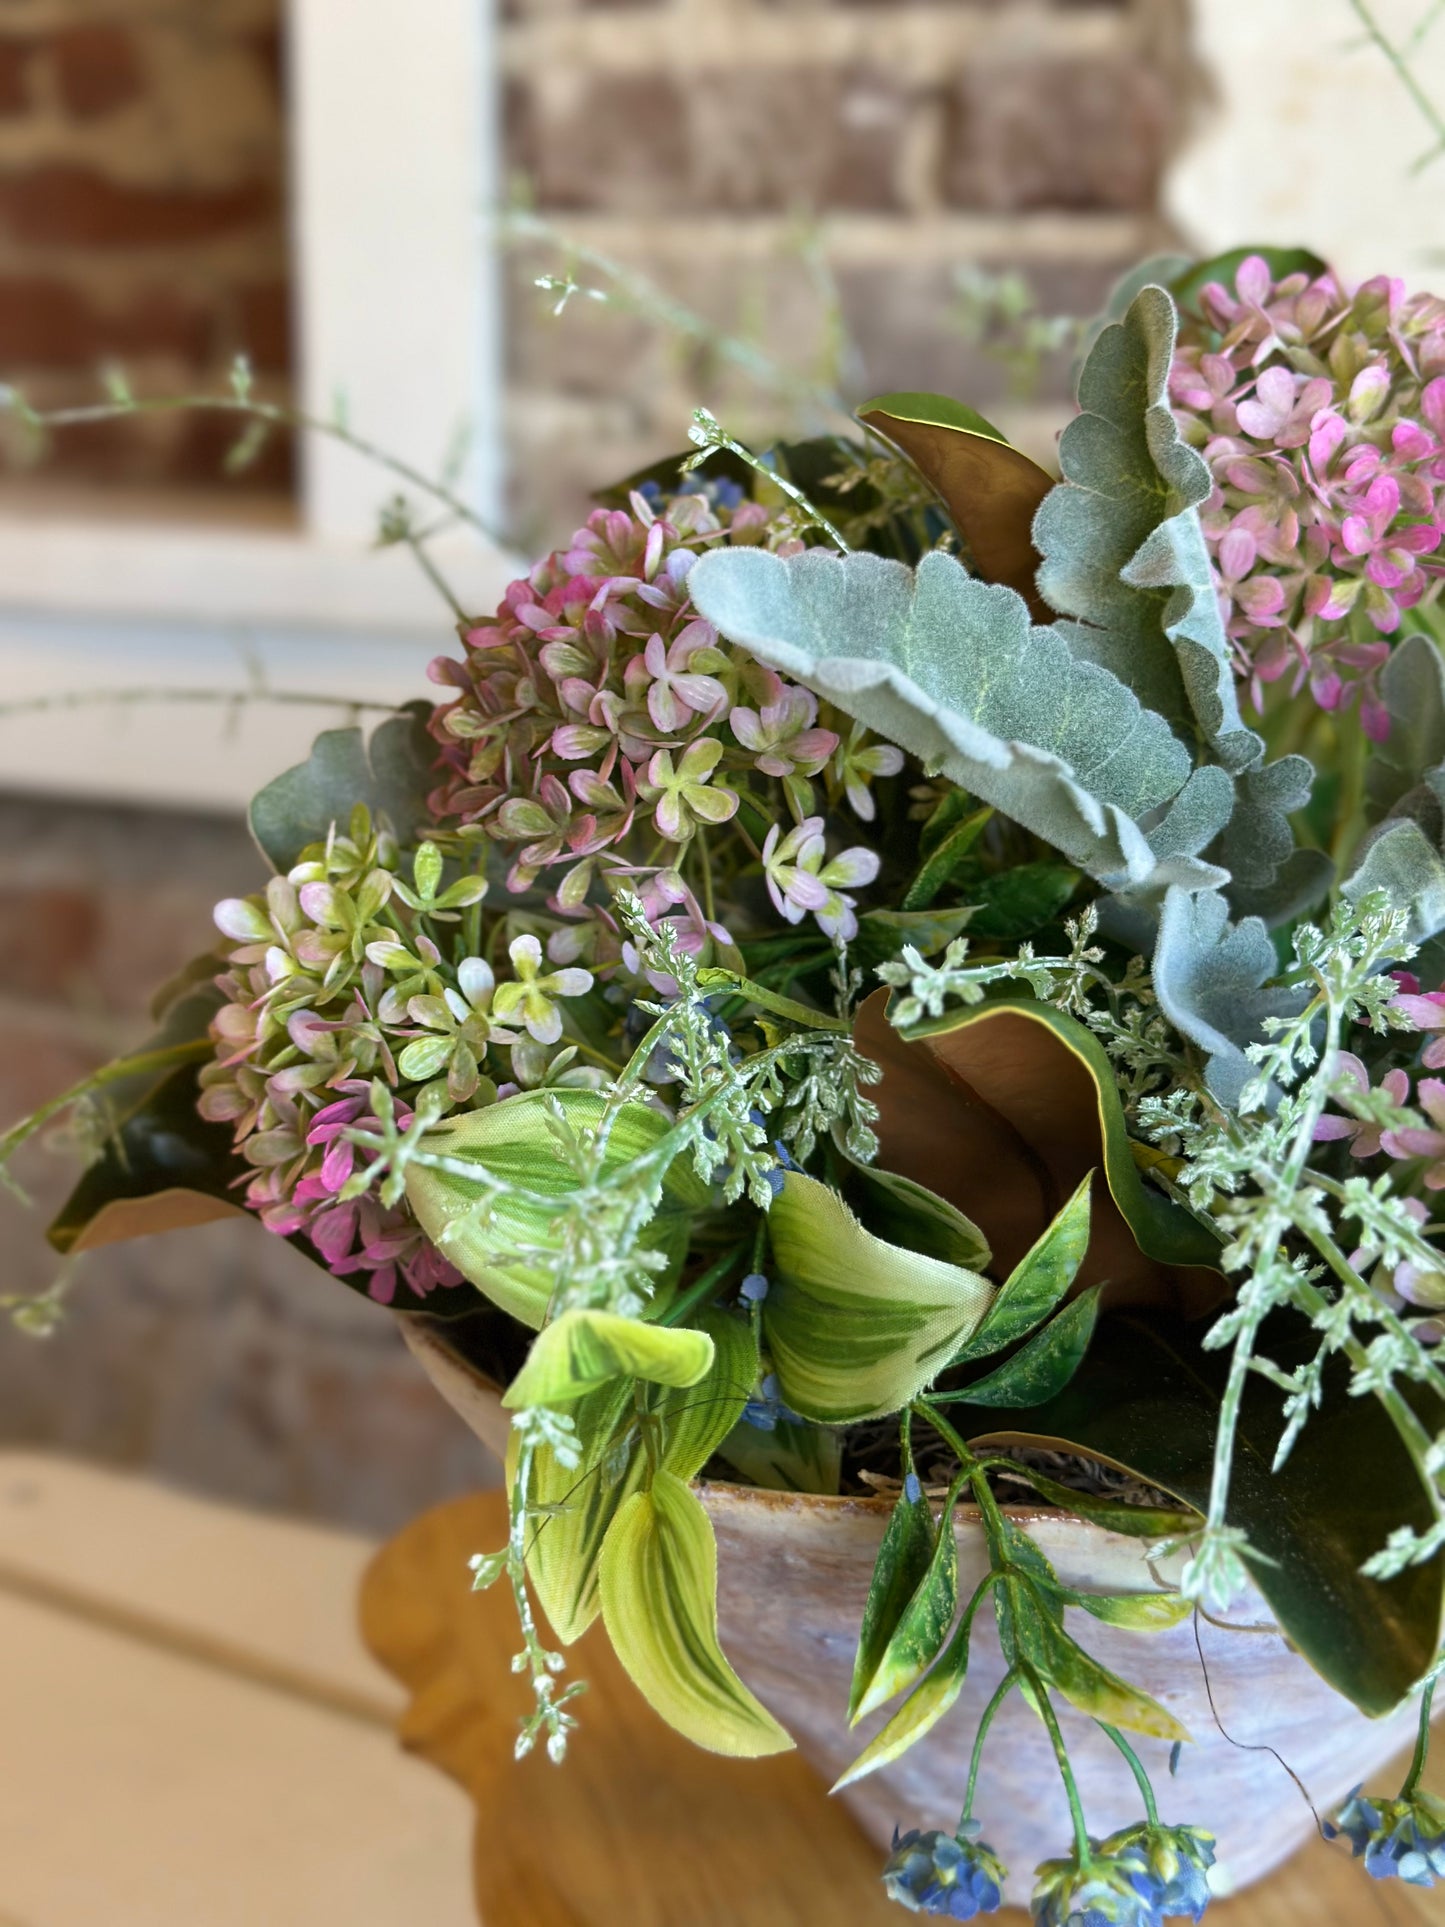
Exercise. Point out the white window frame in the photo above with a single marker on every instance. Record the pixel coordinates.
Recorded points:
(394, 164)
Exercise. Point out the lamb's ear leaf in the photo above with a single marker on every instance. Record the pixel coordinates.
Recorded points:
(1400, 860)
(658, 1584)
(952, 670)
(582, 1350)
(1269, 877)
(989, 487)
(857, 1326)
(1123, 551)
(1147, 1399)
(1211, 978)
(1187, 285)
(391, 774)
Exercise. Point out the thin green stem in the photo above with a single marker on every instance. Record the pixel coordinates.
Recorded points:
(1136, 1767)
(1405, 74)
(703, 1287)
(1061, 1754)
(1422, 1745)
(140, 1063)
(434, 575)
(1001, 1693)
(234, 698)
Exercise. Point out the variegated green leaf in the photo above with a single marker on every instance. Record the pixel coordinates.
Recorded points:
(792, 1455)
(658, 1582)
(698, 1420)
(584, 1349)
(1037, 1283)
(857, 1327)
(903, 1559)
(1046, 1364)
(923, 1624)
(920, 1712)
(903, 1213)
(1141, 1612)
(1063, 1664)
(515, 1140)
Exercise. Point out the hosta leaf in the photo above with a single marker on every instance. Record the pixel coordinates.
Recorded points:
(790, 1456)
(1037, 1282)
(514, 1140)
(576, 1506)
(1147, 1399)
(1046, 1364)
(391, 774)
(920, 1712)
(901, 1212)
(904, 1556)
(1064, 1665)
(658, 1583)
(584, 1349)
(1211, 978)
(989, 487)
(856, 1327)
(951, 669)
(1002, 1108)
(922, 1625)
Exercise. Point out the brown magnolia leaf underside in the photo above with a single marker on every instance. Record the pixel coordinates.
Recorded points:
(637, 1826)
(1002, 1119)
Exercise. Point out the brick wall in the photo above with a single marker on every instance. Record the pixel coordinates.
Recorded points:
(686, 138)
(142, 220)
(220, 1358)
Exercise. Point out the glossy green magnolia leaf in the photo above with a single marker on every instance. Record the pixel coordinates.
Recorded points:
(515, 1140)
(1038, 1282)
(1045, 1365)
(904, 1556)
(391, 774)
(925, 1706)
(989, 487)
(789, 1456)
(584, 1349)
(1147, 1399)
(576, 1505)
(1063, 1664)
(951, 669)
(1014, 904)
(923, 1624)
(856, 1327)
(658, 1584)
(1187, 285)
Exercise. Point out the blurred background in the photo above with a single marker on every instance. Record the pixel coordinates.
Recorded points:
(770, 206)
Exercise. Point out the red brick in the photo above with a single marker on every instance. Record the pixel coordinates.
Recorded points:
(97, 69)
(268, 49)
(1082, 135)
(48, 935)
(49, 323)
(67, 206)
(263, 323)
(622, 147)
(15, 56)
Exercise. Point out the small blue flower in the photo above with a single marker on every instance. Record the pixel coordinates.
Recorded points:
(913, 1488)
(1402, 1839)
(650, 491)
(951, 1876)
(765, 1409)
(1168, 1866)
(1094, 1891)
(754, 1288)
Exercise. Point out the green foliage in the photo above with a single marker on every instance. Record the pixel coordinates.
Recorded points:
(390, 775)
(925, 1706)
(583, 1350)
(922, 1623)
(1044, 1366)
(791, 1455)
(902, 1564)
(1037, 1283)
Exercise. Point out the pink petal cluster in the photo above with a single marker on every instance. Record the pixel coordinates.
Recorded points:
(1321, 414)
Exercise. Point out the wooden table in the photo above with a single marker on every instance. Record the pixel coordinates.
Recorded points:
(192, 1734)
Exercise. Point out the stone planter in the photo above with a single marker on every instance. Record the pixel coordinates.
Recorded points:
(793, 1573)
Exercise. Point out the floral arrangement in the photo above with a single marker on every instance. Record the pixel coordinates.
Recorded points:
(876, 945)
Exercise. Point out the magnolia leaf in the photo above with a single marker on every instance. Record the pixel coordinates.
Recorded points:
(951, 669)
(515, 1140)
(923, 1624)
(1401, 860)
(920, 1712)
(658, 1584)
(391, 775)
(904, 1557)
(856, 1327)
(576, 1505)
(1064, 1665)
(1123, 551)
(1147, 1399)
(1037, 1282)
(584, 1349)
(792, 1455)
(1046, 1364)
(1002, 1108)
(1211, 978)
(989, 487)
(1412, 688)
